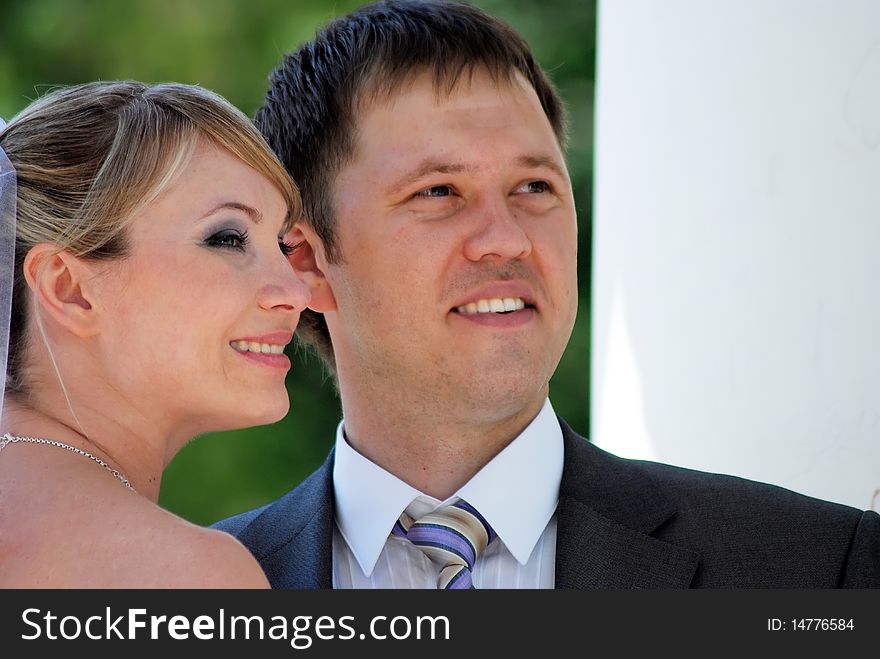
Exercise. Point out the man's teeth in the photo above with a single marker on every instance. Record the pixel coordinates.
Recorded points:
(493, 305)
(253, 346)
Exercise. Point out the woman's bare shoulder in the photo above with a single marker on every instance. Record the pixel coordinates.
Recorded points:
(174, 553)
(124, 543)
(197, 557)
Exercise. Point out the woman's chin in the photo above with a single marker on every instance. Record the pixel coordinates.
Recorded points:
(273, 414)
(259, 415)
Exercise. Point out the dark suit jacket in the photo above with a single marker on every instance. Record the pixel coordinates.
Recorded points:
(623, 524)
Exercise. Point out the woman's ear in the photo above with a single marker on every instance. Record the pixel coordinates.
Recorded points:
(59, 283)
(309, 263)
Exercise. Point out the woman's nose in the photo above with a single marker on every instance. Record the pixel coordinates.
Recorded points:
(284, 290)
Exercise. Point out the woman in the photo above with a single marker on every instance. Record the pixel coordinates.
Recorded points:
(152, 300)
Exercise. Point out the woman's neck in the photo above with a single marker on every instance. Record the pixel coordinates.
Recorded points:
(139, 458)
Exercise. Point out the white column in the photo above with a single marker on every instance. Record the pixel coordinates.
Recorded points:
(736, 299)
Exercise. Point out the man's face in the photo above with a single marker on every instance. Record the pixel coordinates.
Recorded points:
(457, 286)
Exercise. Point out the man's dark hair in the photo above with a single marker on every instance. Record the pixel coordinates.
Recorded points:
(309, 116)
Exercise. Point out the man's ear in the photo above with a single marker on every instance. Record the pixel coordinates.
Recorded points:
(57, 280)
(309, 263)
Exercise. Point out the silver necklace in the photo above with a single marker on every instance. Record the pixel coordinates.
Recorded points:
(14, 439)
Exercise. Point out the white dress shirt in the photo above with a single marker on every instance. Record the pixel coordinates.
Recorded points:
(517, 493)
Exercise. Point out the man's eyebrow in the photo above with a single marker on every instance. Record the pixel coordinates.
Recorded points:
(424, 168)
(432, 166)
(534, 162)
(255, 215)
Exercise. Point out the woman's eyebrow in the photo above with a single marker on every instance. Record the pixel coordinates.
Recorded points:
(255, 215)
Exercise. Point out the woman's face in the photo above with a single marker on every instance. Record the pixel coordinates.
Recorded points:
(195, 319)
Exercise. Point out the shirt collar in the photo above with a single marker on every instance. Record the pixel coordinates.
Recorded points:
(517, 492)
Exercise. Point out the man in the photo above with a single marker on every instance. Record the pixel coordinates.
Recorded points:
(440, 250)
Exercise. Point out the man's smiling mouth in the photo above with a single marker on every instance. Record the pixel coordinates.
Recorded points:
(492, 305)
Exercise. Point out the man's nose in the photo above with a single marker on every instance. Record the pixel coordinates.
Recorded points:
(496, 232)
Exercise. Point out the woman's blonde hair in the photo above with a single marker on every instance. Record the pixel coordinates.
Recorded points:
(88, 158)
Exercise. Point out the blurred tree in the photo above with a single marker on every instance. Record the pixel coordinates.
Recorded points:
(230, 46)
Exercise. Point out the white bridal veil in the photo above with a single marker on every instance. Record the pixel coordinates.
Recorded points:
(7, 257)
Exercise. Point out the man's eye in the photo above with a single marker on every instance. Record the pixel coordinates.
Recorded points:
(228, 239)
(435, 191)
(534, 187)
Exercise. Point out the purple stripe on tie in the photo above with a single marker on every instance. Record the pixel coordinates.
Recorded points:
(461, 581)
(398, 529)
(436, 535)
(464, 505)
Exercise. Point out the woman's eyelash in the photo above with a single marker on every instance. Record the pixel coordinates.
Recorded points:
(237, 240)
(288, 248)
(228, 239)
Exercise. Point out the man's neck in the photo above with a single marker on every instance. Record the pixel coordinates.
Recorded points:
(436, 455)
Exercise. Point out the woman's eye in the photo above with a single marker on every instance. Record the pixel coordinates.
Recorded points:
(287, 248)
(228, 239)
(534, 187)
(435, 191)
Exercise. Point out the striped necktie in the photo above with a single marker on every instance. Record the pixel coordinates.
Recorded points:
(453, 536)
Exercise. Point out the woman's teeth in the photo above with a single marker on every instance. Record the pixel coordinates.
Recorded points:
(493, 305)
(253, 346)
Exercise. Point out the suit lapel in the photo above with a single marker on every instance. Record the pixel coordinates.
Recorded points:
(295, 534)
(595, 552)
(607, 511)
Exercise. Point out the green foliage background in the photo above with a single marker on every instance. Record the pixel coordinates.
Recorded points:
(230, 46)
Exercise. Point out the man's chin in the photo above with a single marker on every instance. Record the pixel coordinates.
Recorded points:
(505, 394)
